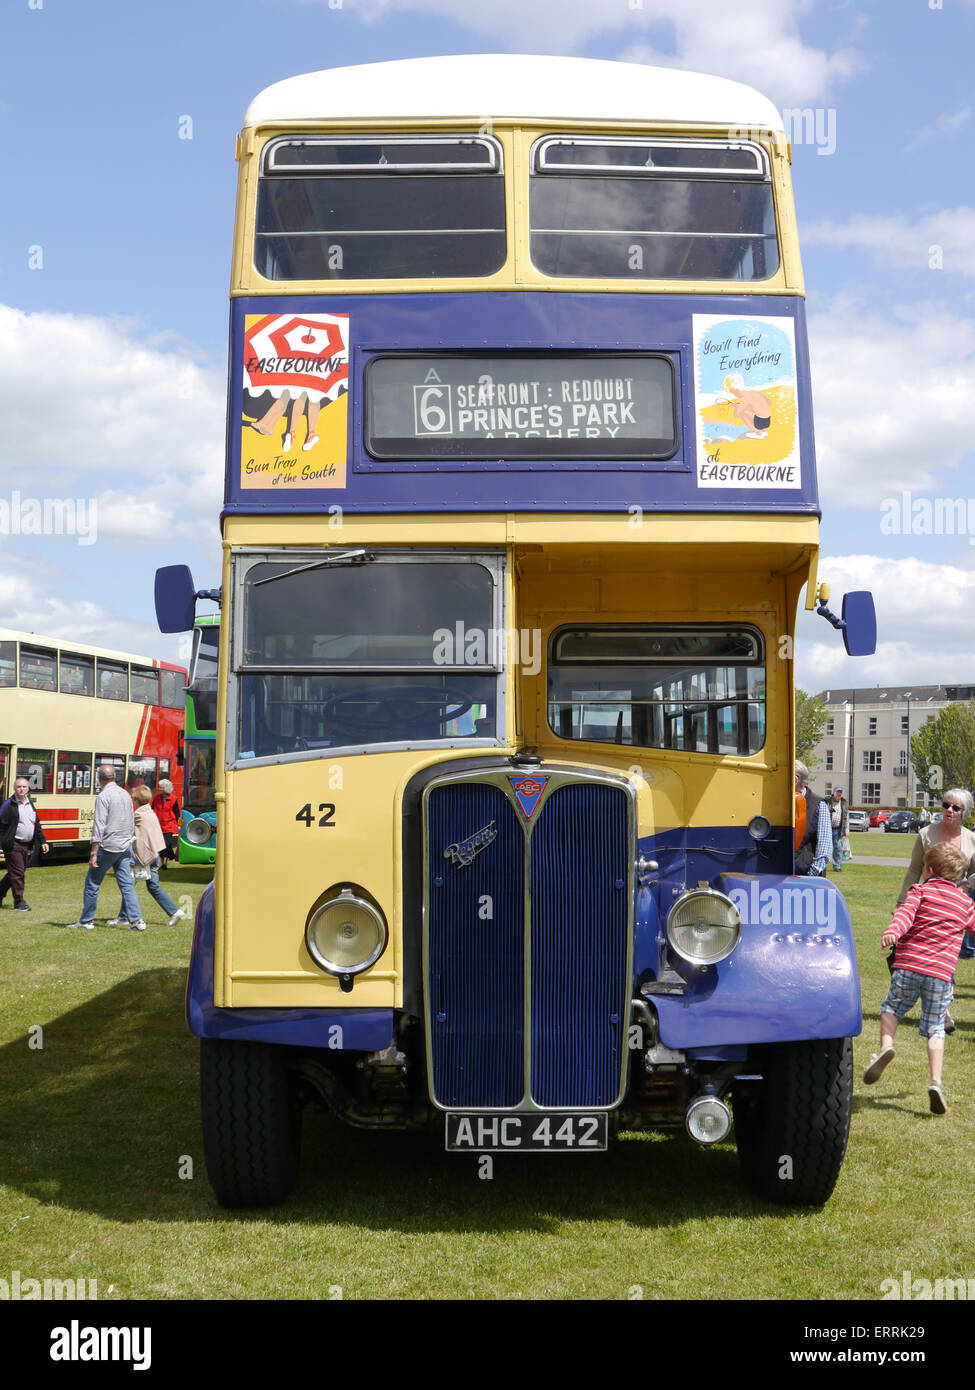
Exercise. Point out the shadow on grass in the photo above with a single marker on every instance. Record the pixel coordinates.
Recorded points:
(107, 1111)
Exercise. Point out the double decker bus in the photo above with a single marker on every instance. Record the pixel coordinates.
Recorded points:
(198, 814)
(521, 502)
(66, 707)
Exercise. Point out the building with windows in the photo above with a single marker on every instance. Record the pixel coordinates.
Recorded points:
(865, 746)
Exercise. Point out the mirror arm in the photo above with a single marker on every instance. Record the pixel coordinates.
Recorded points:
(824, 612)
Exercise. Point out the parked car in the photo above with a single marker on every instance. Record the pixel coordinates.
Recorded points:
(878, 818)
(857, 820)
(903, 823)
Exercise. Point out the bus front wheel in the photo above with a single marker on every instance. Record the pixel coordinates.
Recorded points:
(251, 1122)
(792, 1126)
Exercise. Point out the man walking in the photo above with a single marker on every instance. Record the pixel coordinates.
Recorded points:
(839, 814)
(111, 847)
(21, 839)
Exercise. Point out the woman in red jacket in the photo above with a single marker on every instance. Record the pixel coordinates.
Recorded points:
(166, 807)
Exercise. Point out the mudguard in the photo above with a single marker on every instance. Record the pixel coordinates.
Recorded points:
(793, 975)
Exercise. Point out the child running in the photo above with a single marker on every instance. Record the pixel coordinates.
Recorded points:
(928, 929)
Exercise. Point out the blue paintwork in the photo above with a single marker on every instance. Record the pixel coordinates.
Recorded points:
(513, 322)
(579, 924)
(363, 1030)
(476, 976)
(793, 975)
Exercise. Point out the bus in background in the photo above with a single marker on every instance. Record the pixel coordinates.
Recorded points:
(198, 817)
(66, 707)
(521, 502)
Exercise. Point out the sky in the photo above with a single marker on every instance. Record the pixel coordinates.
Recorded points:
(118, 123)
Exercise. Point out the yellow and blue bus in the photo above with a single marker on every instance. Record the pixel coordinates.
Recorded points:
(520, 505)
(198, 814)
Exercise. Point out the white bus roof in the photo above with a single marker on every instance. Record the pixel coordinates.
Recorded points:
(487, 86)
(68, 644)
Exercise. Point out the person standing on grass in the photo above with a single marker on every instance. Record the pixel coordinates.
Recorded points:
(111, 844)
(146, 847)
(839, 815)
(814, 831)
(927, 930)
(22, 840)
(166, 809)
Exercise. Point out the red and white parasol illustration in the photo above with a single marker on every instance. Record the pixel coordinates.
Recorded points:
(295, 354)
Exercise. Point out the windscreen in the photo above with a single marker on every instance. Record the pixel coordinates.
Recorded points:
(372, 651)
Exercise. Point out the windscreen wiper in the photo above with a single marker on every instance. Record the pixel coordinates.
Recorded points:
(346, 557)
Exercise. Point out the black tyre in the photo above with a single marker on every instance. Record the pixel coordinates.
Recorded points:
(251, 1122)
(792, 1127)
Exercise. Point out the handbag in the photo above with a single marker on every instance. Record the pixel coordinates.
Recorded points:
(847, 851)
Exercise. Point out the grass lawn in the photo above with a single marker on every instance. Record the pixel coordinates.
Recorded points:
(101, 1120)
(879, 842)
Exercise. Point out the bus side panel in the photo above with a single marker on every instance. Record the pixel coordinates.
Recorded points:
(793, 975)
(356, 1030)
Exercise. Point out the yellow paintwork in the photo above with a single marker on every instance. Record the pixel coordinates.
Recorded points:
(517, 273)
(271, 868)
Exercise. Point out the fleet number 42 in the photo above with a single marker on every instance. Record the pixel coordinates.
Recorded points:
(327, 821)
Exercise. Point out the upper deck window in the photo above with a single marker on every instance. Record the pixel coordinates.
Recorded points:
(380, 207)
(652, 209)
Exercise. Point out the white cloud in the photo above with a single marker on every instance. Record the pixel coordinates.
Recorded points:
(903, 245)
(29, 606)
(90, 405)
(757, 43)
(893, 400)
(924, 625)
(946, 125)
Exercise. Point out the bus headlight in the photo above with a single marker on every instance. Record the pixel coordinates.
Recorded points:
(197, 831)
(346, 934)
(703, 926)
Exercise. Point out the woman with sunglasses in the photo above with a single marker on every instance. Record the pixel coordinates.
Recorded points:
(956, 807)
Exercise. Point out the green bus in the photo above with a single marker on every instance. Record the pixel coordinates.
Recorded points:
(198, 818)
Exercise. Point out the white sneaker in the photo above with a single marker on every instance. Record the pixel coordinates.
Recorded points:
(137, 926)
(118, 922)
(177, 916)
(88, 926)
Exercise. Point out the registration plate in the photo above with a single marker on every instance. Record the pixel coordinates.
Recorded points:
(528, 1133)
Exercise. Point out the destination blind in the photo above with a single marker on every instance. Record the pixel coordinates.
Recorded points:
(521, 407)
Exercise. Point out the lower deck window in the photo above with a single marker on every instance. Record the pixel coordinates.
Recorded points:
(701, 690)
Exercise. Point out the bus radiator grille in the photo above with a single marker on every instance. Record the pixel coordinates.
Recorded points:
(570, 931)
(578, 947)
(476, 949)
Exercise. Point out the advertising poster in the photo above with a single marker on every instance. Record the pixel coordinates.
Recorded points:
(294, 427)
(745, 402)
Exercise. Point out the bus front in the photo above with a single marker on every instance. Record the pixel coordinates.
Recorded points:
(521, 500)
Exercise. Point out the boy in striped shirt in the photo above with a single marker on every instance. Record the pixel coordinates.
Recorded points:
(928, 929)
